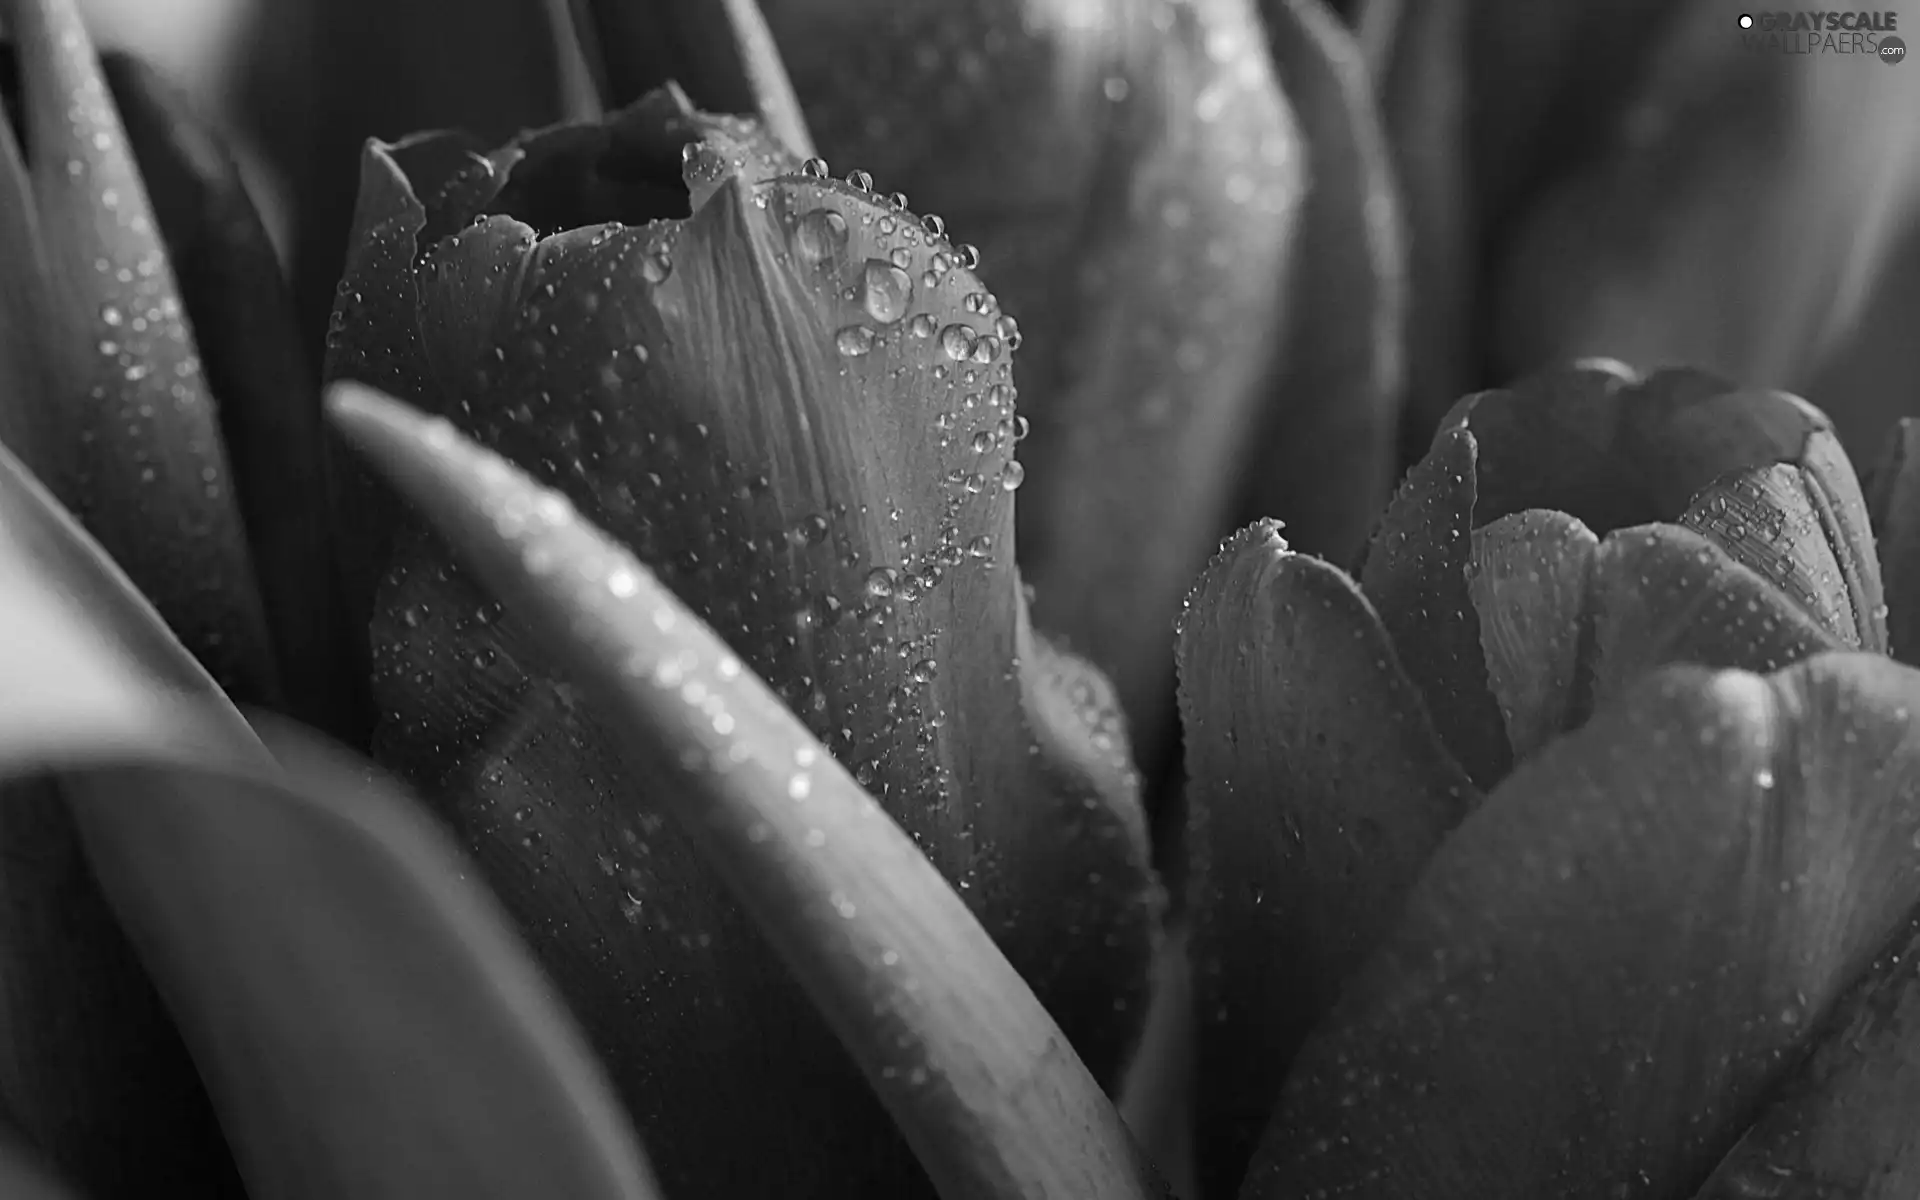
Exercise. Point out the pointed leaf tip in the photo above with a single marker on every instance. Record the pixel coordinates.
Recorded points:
(149, 476)
(1317, 789)
(979, 1078)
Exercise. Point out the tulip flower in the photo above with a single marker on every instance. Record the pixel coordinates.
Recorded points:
(733, 789)
(1547, 919)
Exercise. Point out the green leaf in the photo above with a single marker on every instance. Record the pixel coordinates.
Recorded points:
(362, 1018)
(1542, 1023)
(1416, 576)
(1326, 451)
(1530, 579)
(1649, 252)
(1894, 498)
(1664, 594)
(979, 1078)
(1844, 1125)
(254, 358)
(148, 476)
(1317, 789)
(722, 53)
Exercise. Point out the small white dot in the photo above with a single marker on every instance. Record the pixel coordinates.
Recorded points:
(1746, 22)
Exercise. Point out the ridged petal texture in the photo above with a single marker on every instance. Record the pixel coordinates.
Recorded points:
(796, 405)
(1560, 542)
(1132, 176)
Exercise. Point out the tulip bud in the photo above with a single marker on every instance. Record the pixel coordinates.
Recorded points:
(795, 403)
(1560, 541)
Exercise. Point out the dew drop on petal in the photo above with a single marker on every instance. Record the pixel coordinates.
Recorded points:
(957, 341)
(887, 291)
(814, 168)
(854, 341)
(1012, 476)
(820, 235)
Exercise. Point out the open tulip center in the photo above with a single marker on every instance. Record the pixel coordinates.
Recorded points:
(627, 170)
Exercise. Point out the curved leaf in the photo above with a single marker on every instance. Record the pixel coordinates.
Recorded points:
(1542, 1024)
(364, 1021)
(1327, 450)
(1848, 1123)
(149, 477)
(1317, 789)
(796, 404)
(980, 1079)
(256, 367)
(1416, 575)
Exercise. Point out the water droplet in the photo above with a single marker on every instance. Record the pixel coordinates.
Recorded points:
(820, 235)
(861, 180)
(656, 265)
(896, 200)
(968, 254)
(958, 341)
(923, 325)
(799, 785)
(982, 442)
(854, 341)
(814, 168)
(880, 582)
(933, 225)
(924, 671)
(980, 547)
(1012, 476)
(888, 291)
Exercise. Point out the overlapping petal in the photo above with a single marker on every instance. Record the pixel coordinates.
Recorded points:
(795, 404)
(1544, 1021)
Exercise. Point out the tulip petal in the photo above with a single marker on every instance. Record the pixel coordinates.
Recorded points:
(1130, 173)
(253, 354)
(1894, 498)
(1416, 575)
(721, 52)
(977, 1075)
(1530, 578)
(1545, 1021)
(1665, 594)
(356, 1006)
(150, 477)
(1735, 216)
(795, 403)
(1848, 1123)
(1309, 820)
(1327, 450)
(1768, 520)
(1614, 449)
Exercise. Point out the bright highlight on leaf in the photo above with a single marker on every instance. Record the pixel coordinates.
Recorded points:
(979, 1078)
